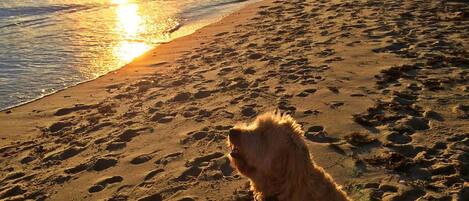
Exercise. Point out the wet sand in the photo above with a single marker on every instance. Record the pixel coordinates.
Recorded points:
(380, 87)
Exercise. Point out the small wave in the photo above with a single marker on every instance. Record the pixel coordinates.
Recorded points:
(38, 10)
(176, 27)
(203, 7)
(201, 10)
(23, 16)
(25, 22)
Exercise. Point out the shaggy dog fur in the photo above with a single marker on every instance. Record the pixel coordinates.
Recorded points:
(271, 152)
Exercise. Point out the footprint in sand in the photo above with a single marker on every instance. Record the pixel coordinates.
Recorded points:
(202, 115)
(236, 100)
(169, 158)
(27, 159)
(390, 160)
(60, 126)
(248, 111)
(198, 160)
(284, 105)
(189, 173)
(60, 179)
(78, 168)
(113, 87)
(102, 184)
(129, 134)
(243, 195)
(318, 134)
(64, 154)
(411, 124)
(333, 89)
(12, 176)
(187, 198)
(106, 109)
(335, 104)
(153, 173)
(360, 138)
(182, 97)
(198, 165)
(13, 191)
(306, 92)
(104, 163)
(392, 191)
(279, 89)
(154, 197)
(239, 83)
(114, 146)
(141, 159)
(206, 135)
(223, 164)
(194, 136)
(398, 138)
(225, 70)
(98, 126)
(65, 111)
(430, 114)
(202, 94)
(249, 71)
(326, 53)
(461, 111)
(190, 112)
(162, 117)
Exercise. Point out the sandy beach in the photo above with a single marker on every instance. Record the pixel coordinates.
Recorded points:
(380, 87)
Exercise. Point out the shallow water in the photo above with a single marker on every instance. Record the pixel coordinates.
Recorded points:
(48, 45)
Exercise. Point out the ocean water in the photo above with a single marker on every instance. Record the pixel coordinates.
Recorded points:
(48, 45)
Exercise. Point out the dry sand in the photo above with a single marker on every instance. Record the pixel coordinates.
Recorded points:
(381, 87)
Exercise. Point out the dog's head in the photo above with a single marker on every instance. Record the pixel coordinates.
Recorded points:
(262, 149)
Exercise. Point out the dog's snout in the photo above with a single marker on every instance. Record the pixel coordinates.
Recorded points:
(234, 133)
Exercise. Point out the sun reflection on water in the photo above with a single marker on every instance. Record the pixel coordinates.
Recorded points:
(119, 1)
(129, 25)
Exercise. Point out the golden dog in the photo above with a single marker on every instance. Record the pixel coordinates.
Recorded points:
(271, 152)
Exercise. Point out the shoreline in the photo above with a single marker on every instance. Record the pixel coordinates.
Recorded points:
(37, 106)
(178, 32)
(382, 97)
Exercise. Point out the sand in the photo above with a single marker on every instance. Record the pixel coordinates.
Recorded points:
(381, 87)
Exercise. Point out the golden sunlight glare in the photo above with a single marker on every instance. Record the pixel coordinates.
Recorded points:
(129, 20)
(129, 25)
(119, 1)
